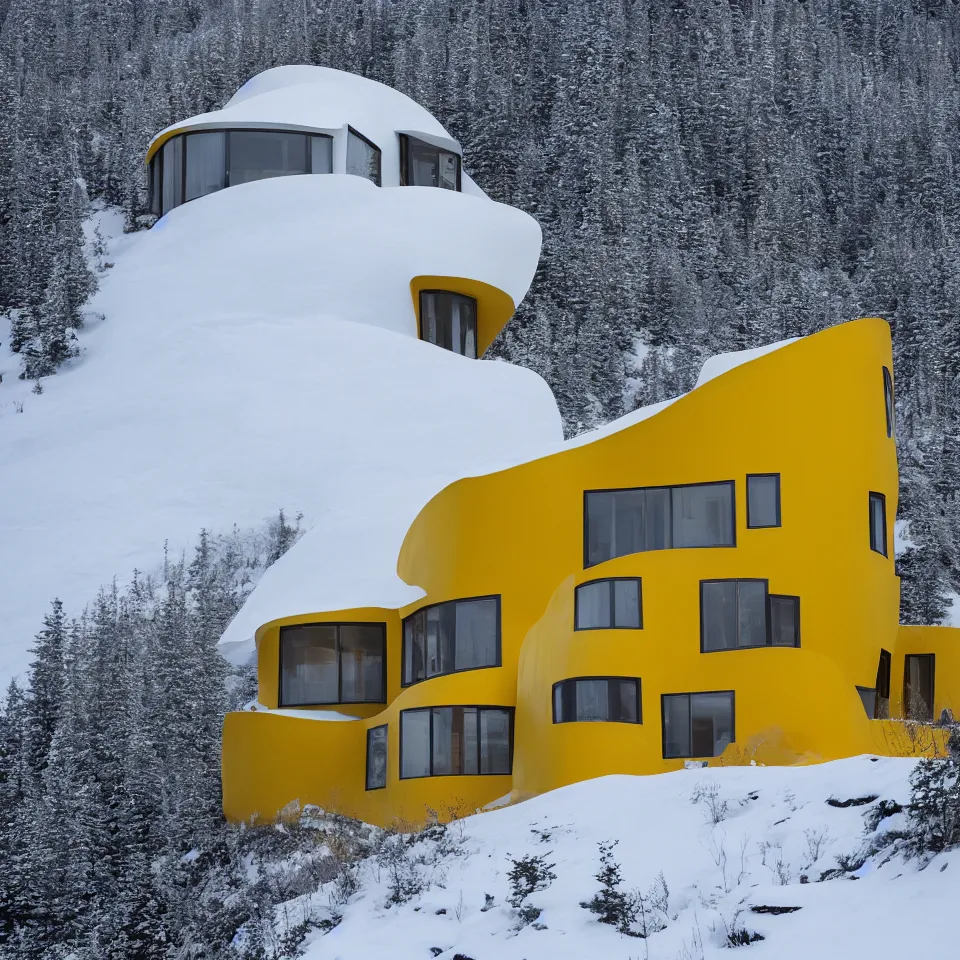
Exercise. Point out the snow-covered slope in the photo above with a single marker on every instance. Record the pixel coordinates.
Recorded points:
(776, 843)
(257, 354)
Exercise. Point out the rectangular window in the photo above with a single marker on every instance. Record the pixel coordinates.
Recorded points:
(597, 700)
(883, 686)
(918, 686)
(261, 154)
(172, 173)
(424, 165)
(619, 522)
(206, 164)
(697, 724)
(376, 757)
(888, 401)
(878, 523)
(609, 604)
(363, 157)
(763, 500)
(450, 637)
(326, 663)
(456, 741)
(321, 154)
(449, 320)
(155, 185)
(784, 621)
(733, 613)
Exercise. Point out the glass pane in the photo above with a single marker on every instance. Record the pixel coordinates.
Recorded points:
(626, 603)
(443, 742)
(711, 723)
(918, 687)
(628, 701)
(206, 164)
(599, 521)
(155, 185)
(753, 613)
(321, 155)
(558, 716)
(308, 665)
(422, 164)
(868, 697)
(471, 757)
(464, 326)
(641, 521)
(172, 174)
(592, 700)
(448, 170)
(430, 327)
(888, 400)
(763, 501)
(377, 757)
(415, 746)
(676, 725)
(703, 515)
(476, 634)
(363, 160)
(877, 533)
(260, 154)
(413, 648)
(783, 621)
(593, 605)
(495, 741)
(719, 614)
(361, 662)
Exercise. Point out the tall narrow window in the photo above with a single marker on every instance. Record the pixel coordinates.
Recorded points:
(597, 700)
(363, 157)
(784, 621)
(888, 401)
(321, 154)
(156, 186)
(456, 741)
(450, 321)
(172, 173)
(606, 604)
(619, 522)
(878, 523)
(424, 165)
(868, 697)
(733, 613)
(377, 757)
(918, 686)
(326, 663)
(882, 711)
(697, 724)
(763, 500)
(206, 164)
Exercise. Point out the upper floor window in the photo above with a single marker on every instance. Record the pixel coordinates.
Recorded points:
(918, 688)
(424, 165)
(763, 500)
(456, 741)
(697, 724)
(363, 156)
(450, 321)
(597, 700)
(739, 613)
(888, 401)
(376, 757)
(326, 663)
(449, 637)
(606, 604)
(619, 522)
(878, 523)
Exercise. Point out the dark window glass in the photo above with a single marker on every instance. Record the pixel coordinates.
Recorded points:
(206, 164)
(377, 757)
(449, 637)
(455, 741)
(620, 522)
(597, 700)
(450, 321)
(918, 680)
(878, 523)
(363, 158)
(172, 174)
(697, 724)
(733, 613)
(321, 155)
(883, 686)
(424, 165)
(156, 187)
(888, 401)
(261, 154)
(606, 604)
(763, 500)
(323, 663)
(784, 621)
(868, 697)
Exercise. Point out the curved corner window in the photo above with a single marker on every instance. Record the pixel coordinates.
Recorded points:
(609, 604)
(456, 741)
(449, 320)
(376, 757)
(327, 663)
(451, 637)
(424, 165)
(363, 156)
(597, 700)
(878, 523)
(618, 522)
(888, 401)
(697, 724)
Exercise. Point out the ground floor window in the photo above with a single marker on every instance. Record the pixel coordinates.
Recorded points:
(918, 680)
(456, 741)
(377, 757)
(697, 724)
(597, 699)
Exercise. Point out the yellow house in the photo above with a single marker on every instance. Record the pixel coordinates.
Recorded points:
(710, 580)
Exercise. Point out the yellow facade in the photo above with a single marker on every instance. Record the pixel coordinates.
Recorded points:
(812, 412)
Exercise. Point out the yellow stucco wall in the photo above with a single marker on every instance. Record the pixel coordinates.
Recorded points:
(814, 413)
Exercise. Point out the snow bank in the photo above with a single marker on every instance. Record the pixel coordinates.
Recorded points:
(723, 362)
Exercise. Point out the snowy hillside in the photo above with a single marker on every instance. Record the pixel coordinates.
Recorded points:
(743, 852)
